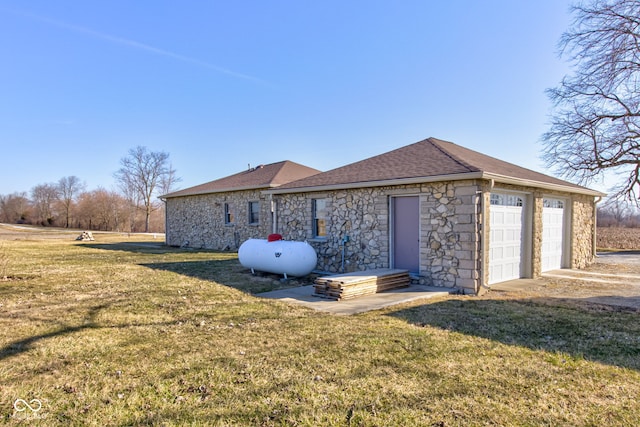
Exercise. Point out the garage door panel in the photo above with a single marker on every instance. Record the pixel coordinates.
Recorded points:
(506, 225)
(497, 252)
(495, 271)
(512, 235)
(511, 218)
(552, 234)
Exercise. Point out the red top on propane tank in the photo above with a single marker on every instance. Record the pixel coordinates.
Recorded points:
(274, 237)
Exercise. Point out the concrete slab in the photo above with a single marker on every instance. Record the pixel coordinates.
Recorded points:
(622, 257)
(576, 275)
(303, 295)
(517, 285)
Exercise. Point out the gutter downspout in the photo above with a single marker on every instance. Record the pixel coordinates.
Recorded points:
(483, 236)
(166, 222)
(595, 226)
(480, 232)
(274, 215)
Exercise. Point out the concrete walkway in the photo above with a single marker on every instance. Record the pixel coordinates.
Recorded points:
(303, 295)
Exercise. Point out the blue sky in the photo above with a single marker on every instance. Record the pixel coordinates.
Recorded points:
(220, 85)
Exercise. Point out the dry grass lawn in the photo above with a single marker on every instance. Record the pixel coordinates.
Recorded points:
(119, 332)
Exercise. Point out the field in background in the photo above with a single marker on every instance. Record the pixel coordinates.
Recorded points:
(618, 238)
(123, 331)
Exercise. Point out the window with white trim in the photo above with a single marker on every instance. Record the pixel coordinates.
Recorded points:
(553, 203)
(254, 213)
(229, 217)
(506, 200)
(319, 215)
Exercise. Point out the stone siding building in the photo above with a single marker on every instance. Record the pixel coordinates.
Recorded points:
(451, 216)
(222, 214)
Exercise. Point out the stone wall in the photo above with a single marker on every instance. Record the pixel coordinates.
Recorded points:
(199, 221)
(537, 233)
(449, 237)
(582, 231)
(361, 214)
(454, 227)
(450, 234)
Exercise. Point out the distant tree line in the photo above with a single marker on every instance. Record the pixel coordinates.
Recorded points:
(617, 213)
(134, 207)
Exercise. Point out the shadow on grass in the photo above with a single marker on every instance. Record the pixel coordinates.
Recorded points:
(221, 267)
(228, 272)
(211, 270)
(577, 329)
(23, 345)
(143, 247)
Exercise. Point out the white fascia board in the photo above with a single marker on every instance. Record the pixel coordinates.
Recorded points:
(503, 179)
(438, 178)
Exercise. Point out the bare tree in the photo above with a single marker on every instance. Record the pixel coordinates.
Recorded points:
(614, 213)
(169, 180)
(87, 211)
(43, 197)
(15, 208)
(109, 205)
(69, 188)
(618, 213)
(133, 201)
(596, 122)
(101, 209)
(141, 175)
(167, 185)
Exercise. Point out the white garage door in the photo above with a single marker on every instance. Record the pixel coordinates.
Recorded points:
(552, 234)
(505, 244)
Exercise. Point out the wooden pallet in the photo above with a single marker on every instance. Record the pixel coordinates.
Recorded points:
(352, 285)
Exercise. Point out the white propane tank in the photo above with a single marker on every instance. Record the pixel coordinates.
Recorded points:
(279, 257)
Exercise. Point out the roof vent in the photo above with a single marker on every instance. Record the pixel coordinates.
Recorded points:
(250, 169)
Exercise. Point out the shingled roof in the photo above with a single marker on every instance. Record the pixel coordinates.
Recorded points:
(427, 161)
(260, 177)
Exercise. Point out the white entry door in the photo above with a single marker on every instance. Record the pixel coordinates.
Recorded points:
(505, 244)
(552, 234)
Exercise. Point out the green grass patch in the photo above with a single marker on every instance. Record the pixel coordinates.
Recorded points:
(122, 331)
